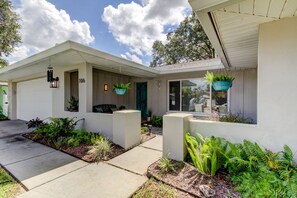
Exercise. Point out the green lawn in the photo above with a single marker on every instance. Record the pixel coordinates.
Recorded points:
(8, 186)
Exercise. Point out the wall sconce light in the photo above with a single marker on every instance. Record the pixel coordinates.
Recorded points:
(54, 82)
(105, 87)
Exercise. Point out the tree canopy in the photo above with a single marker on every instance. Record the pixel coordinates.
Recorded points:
(9, 30)
(188, 43)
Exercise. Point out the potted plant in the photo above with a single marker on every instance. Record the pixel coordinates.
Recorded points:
(149, 115)
(73, 104)
(121, 88)
(220, 82)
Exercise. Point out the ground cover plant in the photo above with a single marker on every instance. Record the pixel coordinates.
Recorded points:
(255, 171)
(8, 186)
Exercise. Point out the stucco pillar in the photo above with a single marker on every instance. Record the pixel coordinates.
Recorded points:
(12, 100)
(85, 88)
(126, 128)
(175, 127)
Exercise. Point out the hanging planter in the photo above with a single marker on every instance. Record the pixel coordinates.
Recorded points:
(121, 88)
(220, 82)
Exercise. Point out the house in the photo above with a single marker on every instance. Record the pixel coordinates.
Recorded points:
(260, 34)
(88, 75)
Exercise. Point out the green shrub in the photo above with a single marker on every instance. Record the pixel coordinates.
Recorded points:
(236, 118)
(144, 130)
(2, 115)
(100, 149)
(166, 165)
(157, 121)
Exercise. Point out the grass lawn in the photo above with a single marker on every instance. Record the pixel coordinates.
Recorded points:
(155, 189)
(8, 186)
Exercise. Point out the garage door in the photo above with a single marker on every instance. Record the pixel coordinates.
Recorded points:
(34, 99)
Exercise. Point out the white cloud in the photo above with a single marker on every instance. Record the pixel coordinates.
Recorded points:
(138, 26)
(43, 26)
(132, 57)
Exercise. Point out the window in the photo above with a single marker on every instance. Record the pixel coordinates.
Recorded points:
(193, 95)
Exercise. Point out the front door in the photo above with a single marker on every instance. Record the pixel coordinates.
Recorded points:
(141, 98)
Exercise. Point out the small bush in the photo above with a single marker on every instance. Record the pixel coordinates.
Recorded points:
(236, 118)
(100, 149)
(166, 165)
(34, 123)
(157, 121)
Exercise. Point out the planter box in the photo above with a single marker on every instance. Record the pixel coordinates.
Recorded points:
(120, 91)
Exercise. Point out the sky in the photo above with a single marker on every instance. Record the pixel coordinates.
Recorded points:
(122, 28)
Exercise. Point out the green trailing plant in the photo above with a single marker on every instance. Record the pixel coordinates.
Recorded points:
(211, 77)
(157, 121)
(121, 86)
(73, 104)
(236, 118)
(100, 149)
(165, 164)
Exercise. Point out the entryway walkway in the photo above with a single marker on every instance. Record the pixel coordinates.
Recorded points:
(46, 172)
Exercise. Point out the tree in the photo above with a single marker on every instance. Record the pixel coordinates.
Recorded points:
(188, 43)
(9, 30)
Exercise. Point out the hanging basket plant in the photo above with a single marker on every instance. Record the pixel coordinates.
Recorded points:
(121, 88)
(220, 82)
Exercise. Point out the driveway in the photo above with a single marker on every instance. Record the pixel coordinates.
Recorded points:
(46, 172)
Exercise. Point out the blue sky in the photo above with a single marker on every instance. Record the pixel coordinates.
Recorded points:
(120, 27)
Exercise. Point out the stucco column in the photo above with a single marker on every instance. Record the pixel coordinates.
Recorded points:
(12, 100)
(175, 127)
(85, 88)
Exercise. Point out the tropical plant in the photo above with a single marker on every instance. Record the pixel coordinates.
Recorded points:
(144, 130)
(34, 123)
(207, 154)
(165, 164)
(121, 86)
(100, 148)
(73, 104)
(211, 77)
(157, 121)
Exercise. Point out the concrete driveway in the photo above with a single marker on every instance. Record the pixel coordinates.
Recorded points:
(10, 128)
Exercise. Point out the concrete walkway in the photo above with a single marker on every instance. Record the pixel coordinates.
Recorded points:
(46, 172)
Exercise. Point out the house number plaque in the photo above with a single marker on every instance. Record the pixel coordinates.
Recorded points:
(82, 80)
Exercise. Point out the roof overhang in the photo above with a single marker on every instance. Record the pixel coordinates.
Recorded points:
(71, 53)
(232, 26)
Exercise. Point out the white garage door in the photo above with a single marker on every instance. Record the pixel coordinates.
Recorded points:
(34, 99)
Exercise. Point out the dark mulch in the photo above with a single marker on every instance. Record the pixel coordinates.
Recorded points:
(186, 177)
(81, 151)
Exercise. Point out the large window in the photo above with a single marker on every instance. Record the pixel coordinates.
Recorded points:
(193, 95)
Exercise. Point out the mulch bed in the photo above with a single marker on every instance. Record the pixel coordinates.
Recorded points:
(81, 151)
(185, 177)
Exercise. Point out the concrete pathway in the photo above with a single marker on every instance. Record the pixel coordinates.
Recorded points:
(46, 172)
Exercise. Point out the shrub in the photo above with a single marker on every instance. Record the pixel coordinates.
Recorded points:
(157, 121)
(2, 115)
(166, 165)
(100, 148)
(34, 123)
(237, 118)
(144, 130)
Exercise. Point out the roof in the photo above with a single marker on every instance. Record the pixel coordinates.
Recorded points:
(232, 26)
(72, 53)
(201, 65)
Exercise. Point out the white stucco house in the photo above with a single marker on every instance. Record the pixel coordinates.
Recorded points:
(259, 34)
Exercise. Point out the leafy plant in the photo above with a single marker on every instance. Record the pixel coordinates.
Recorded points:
(121, 86)
(211, 77)
(2, 115)
(34, 123)
(73, 104)
(236, 118)
(144, 130)
(100, 149)
(165, 164)
(157, 121)
(149, 113)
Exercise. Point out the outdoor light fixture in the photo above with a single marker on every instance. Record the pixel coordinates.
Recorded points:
(105, 87)
(50, 73)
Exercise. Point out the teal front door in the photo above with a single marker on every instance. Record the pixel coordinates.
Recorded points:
(141, 98)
